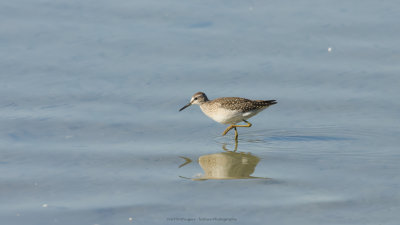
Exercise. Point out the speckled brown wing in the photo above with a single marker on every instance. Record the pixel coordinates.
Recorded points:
(242, 104)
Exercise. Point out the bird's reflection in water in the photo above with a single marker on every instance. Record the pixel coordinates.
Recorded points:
(226, 165)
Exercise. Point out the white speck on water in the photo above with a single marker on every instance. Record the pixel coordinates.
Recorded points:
(329, 49)
(45, 205)
(130, 219)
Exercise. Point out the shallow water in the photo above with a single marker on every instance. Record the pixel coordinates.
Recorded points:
(91, 134)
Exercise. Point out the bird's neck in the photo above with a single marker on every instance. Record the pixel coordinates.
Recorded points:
(205, 101)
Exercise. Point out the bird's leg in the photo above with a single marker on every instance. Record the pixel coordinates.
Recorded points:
(248, 124)
(234, 126)
(228, 129)
(236, 134)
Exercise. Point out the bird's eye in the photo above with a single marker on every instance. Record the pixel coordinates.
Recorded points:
(195, 98)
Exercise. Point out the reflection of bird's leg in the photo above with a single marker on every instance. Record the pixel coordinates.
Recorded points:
(225, 149)
(234, 126)
(236, 144)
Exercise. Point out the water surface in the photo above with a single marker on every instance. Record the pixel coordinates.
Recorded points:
(91, 134)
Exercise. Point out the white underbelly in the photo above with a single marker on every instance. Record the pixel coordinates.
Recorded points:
(225, 116)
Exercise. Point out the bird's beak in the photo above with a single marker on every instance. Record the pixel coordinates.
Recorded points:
(184, 107)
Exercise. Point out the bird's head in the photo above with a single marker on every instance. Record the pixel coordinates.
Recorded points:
(197, 99)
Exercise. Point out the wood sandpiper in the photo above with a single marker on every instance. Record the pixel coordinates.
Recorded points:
(229, 110)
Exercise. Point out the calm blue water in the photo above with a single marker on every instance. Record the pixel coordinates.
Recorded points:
(91, 134)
